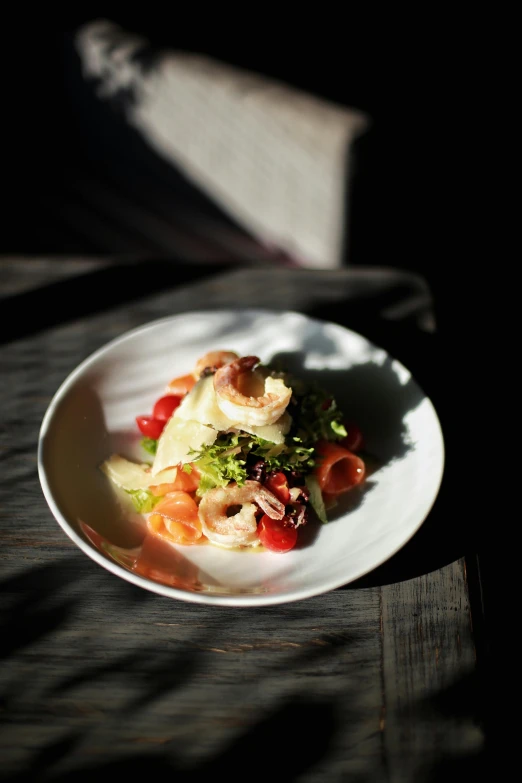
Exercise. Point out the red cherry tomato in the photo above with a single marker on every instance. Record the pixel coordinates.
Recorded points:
(278, 485)
(149, 426)
(275, 536)
(354, 440)
(165, 407)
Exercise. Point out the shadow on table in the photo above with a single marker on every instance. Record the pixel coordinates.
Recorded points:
(320, 728)
(56, 303)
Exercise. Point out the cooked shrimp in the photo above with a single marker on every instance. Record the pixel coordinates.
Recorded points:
(212, 361)
(181, 385)
(239, 529)
(254, 411)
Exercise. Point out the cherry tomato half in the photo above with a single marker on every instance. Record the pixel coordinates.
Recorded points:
(275, 536)
(165, 407)
(149, 426)
(278, 485)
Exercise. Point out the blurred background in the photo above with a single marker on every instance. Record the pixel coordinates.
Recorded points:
(319, 143)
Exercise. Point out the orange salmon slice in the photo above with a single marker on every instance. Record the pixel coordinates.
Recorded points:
(188, 482)
(175, 519)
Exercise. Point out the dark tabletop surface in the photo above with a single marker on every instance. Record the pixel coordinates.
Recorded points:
(384, 679)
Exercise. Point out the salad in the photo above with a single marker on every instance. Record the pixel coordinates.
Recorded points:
(240, 454)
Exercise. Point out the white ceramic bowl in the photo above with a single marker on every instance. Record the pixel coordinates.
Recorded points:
(92, 415)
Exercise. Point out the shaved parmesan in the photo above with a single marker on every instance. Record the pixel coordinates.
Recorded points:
(200, 405)
(133, 476)
(275, 433)
(179, 437)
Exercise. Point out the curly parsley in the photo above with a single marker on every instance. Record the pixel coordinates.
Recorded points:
(314, 412)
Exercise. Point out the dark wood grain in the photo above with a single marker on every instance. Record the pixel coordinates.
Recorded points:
(377, 681)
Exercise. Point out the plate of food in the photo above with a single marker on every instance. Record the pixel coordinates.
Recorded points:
(243, 457)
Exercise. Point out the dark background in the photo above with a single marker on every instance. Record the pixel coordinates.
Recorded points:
(407, 171)
(410, 187)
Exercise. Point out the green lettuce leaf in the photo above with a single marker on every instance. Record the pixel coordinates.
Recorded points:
(142, 500)
(316, 498)
(150, 445)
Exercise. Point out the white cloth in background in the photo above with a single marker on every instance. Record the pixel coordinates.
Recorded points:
(276, 159)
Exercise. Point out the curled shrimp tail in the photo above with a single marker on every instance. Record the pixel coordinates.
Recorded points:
(270, 504)
(246, 396)
(212, 361)
(228, 514)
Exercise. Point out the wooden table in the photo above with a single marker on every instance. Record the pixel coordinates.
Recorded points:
(381, 680)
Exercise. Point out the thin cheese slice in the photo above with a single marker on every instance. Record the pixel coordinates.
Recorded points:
(200, 405)
(133, 476)
(275, 433)
(178, 438)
